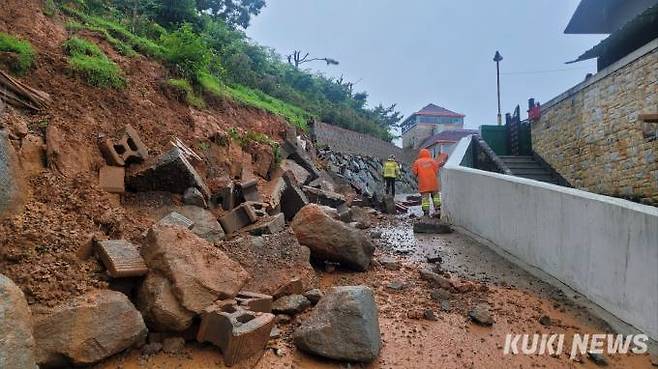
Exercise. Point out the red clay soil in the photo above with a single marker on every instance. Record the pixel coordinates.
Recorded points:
(63, 210)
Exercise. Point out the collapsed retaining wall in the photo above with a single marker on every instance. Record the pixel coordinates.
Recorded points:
(602, 247)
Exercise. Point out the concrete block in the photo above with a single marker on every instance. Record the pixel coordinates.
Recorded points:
(172, 172)
(293, 198)
(129, 149)
(256, 302)
(322, 197)
(176, 219)
(238, 333)
(112, 179)
(269, 225)
(239, 218)
(294, 287)
(249, 190)
(121, 259)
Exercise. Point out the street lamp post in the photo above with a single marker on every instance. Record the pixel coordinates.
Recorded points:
(497, 59)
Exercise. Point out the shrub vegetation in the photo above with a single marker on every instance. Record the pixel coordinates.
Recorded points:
(88, 60)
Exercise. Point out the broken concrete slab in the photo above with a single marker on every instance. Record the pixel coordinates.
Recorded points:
(112, 179)
(194, 197)
(129, 149)
(268, 225)
(238, 333)
(172, 172)
(87, 329)
(198, 272)
(239, 218)
(343, 326)
(253, 301)
(433, 226)
(121, 259)
(293, 199)
(322, 197)
(226, 197)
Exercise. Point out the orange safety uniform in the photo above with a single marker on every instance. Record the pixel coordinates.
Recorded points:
(427, 171)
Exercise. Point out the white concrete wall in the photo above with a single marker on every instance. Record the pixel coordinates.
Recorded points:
(602, 247)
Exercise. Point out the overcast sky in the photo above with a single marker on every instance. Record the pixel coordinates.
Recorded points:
(414, 52)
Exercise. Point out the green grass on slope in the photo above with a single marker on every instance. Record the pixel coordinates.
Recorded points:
(255, 98)
(88, 60)
(186, 88)
(23, 50)
(124, 41)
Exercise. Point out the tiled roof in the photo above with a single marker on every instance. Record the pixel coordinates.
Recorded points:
(448, 136)
(438, 111)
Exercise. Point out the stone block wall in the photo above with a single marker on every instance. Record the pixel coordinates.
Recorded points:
(592, 136)
(349, 142)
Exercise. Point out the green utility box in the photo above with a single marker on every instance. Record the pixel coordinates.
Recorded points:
(496, 138)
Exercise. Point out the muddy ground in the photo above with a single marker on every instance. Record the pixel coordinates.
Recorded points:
(518, 301)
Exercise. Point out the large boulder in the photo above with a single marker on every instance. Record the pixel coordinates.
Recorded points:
(206, 225)
(17, 342)
(87, 329)
(332, 240)
(343, 326)
(198, 272)
(160, 307)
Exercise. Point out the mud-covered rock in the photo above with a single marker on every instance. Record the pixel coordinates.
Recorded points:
(16, 340)
(343, 326)
(481, 315)
(161, 309)
(332, 240)
(87, 329)
(198, 272)
(291, 305)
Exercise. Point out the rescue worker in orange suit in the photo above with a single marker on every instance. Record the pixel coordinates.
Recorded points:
(426, 169)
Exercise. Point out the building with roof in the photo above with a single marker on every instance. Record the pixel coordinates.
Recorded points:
(427, 122)
(446, 140)
(602, 134)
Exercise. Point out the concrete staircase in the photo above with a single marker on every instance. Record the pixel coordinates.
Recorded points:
(527, 167)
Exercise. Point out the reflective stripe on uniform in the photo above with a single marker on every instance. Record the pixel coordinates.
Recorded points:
(391, 169)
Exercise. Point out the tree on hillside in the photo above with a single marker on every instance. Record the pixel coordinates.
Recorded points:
(176, 12)
(236, 13)
(297, 59)
(387, 117)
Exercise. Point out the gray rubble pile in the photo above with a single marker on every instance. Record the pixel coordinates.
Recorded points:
(364, 173)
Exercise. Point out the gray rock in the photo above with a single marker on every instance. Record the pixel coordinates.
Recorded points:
(291, 305)
(205, 225)
(194, 197)
(440, 294)
(343, 326)
(481, 315)
(313, 295)
(545, 320)
(10, 177)
(173, 345)
(17, 348)
(432, 227)
(428, 314)
(161, 309)
(397, 285)
(389, 263)
(88, 329)
(435, 279)
(151, 348)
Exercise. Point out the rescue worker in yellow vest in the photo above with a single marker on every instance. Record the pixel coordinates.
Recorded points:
(391, 174)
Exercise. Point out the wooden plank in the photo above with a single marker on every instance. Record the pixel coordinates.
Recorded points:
(121, 258)
(649, 118)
